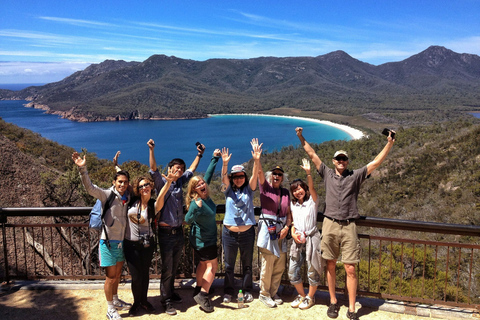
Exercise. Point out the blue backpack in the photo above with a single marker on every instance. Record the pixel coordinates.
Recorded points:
(98, 213)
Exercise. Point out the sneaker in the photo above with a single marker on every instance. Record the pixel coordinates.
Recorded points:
(247, 297)
(147, 306)
(227, 298)
(169, 309)
(267, 301)
(112, 314)
(175, 298)
(196, 290)
(121, 305)
(204, 302)
(307, 303)
(332, 311)
(278, 300)
(298, 300)
(352, 315)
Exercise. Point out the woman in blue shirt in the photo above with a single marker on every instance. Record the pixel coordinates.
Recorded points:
(238, 232)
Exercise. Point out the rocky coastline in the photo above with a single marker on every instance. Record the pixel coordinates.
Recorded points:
(74, 115)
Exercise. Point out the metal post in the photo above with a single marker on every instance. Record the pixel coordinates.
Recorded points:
(3, 221)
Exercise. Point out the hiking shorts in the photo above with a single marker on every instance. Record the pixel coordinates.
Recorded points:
(110, 256)
(342, 236)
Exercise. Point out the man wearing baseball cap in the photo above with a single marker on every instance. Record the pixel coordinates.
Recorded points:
(339, 231)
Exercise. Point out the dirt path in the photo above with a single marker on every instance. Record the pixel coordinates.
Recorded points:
(90, 304)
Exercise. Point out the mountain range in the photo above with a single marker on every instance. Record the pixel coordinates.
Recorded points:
(435, 84)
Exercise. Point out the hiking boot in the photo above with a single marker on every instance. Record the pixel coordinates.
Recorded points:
(227, 298)
(352, 315)
(332, 311)
(247, 297)
(169, 309)
(204, 302)
(307, 303)
(112, 314)
(175, 298)
(121, 305)
(267, 301)
(298, 300)
(277, 300)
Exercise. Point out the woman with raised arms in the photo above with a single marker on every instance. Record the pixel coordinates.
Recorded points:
(203, 232)
(238, 232)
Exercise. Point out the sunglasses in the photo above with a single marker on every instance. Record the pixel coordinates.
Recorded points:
(278, 174)
(144, 186)
(341, 158)
(238, 177)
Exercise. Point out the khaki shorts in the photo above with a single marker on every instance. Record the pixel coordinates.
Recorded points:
(338, 236)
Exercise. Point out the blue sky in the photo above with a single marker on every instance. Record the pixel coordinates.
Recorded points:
(45, 41)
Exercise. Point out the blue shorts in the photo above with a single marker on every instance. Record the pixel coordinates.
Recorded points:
(110, 256)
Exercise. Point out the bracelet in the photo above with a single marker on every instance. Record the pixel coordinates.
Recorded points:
(199, 155)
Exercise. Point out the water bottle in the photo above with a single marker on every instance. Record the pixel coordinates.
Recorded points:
(240, 299)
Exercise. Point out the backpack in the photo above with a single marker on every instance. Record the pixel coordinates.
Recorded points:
(98, 213)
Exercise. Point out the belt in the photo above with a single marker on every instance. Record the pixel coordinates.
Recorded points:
(341, 221)
(169, 230)
(138, 243)
(236, 232)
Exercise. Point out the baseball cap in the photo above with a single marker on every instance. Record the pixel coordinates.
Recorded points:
(277, 168)
(237, 169)
(339, 152)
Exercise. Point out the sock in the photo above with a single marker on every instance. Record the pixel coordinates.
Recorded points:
(115, 297)
(110, 305)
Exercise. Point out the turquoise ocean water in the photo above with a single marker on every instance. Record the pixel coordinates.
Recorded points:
(173, 138)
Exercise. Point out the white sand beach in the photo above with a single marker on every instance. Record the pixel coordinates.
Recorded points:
(352, 132)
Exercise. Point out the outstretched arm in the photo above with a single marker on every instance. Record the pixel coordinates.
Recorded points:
(225, 158)
(256, 153)
(115, 161)
(306, 146)
(159, 203)
(261, 174)
(151, 155)
(196, 161)
(311, 187)
(382, 155)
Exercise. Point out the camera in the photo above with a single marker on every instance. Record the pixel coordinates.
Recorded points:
(272, 231)
(198, 144)
(145, 241)
(387, 131)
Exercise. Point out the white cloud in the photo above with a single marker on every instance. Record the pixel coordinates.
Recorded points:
(38, 72)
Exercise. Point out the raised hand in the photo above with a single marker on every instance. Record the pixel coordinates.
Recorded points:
(201, 148)
(306, 165)
(257, 149)
(79, 161)
(299, 131)
(115, 159)
(217, 153)
(171, 176)
(151, 144)
(225, 156)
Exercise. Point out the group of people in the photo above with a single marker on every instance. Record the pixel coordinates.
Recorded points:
(134, 217)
